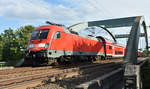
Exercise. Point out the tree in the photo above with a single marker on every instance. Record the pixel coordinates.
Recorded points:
(7, 39)
(14, 42)
(1, 47)
(23, 35)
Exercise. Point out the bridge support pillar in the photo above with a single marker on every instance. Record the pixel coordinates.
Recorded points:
(132, 78)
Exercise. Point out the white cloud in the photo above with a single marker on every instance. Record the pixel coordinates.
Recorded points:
(33, 10)
(62, 14)
(24, 9)
(76, 11)
(38, 11)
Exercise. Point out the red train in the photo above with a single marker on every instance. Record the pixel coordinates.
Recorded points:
(54, 43)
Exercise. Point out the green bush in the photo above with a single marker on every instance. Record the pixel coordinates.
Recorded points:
(13, 43)
(146, 76)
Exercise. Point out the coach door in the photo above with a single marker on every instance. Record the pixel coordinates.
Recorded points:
(110, 48)
(113, 50)
(101, 39)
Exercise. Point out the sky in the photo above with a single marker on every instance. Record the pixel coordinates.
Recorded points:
(17, 13)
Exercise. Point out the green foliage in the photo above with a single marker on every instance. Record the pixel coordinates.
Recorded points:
(146, 53)
(146, 76)
(1, 47)
(14, 42)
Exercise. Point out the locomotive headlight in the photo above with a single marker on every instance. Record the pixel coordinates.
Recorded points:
(41, 45)
(46, 45)
(30, 46)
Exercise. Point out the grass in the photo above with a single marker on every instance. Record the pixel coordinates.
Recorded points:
(12, 62)
(9, 63)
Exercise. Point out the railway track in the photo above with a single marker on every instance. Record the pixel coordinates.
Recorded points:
(30, 77)
(11, 73)
(24, 71)
(85, 74)
(28, 69)
(54, 74)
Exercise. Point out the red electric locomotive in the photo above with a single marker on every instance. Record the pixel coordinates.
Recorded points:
(55, 43)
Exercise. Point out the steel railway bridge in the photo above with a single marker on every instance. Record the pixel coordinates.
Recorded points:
(131, 69)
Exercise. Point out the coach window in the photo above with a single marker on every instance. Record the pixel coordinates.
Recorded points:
(110, 47)
(57, 35)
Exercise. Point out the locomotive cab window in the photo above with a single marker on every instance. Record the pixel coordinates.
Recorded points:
(57, 35)
(43, 33)
(39, 34)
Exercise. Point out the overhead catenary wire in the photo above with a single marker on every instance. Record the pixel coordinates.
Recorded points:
(97, 8)
(101, 8)
(106, 10)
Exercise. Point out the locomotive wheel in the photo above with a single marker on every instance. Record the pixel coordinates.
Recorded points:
(90, 58)
(27, 62)
(103, 58)
(34, 63)
(60, 60)
(52, 61)
(74, 59)
(98, 58)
